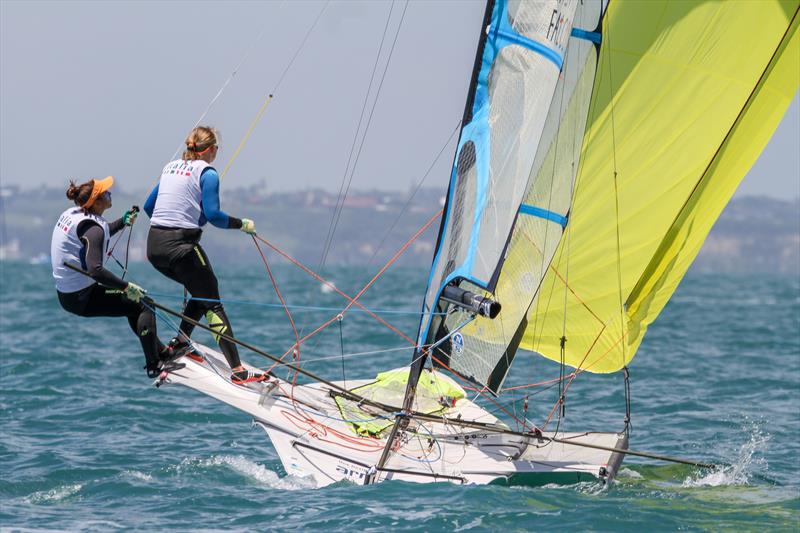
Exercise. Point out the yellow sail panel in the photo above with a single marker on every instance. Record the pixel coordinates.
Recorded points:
(687, 96)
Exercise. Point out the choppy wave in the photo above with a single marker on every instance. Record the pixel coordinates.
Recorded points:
(54, 495)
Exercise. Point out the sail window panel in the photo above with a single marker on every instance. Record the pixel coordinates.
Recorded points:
(456, 243)
(521, 86)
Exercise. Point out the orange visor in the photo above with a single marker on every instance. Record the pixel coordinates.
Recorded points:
(100, 186)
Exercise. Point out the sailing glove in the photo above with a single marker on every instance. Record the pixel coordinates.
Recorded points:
(129, 217)
(248, 226)
(133, 292)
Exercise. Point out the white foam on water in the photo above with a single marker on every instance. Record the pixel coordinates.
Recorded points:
(475, 522)
(54, 495)
(629, 473)
(401, 514)
(740, 470)
(135, 474)
(252, 470)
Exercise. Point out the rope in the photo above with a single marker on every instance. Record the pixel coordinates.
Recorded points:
(280, 297)
(339, 199)
(354, 300)
(355, 354)
(268, 99)
(295, 308)
(366, 129)
(341, 345)
(227, 81)
(253, 124)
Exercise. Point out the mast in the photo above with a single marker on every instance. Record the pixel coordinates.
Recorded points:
(420, 356)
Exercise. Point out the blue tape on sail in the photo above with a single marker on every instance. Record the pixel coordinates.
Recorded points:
(545, 51)
(526, 209)
(593, 36)
(480, 136)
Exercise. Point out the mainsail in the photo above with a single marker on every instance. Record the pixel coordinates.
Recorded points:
(588, 175)
(512, 179)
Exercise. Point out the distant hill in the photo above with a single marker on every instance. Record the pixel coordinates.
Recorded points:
(754, 234)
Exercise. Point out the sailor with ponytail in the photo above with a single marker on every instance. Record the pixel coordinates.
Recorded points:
(184, 200)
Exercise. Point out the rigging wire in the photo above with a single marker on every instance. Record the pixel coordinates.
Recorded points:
(268, 99)
(295, 308)
(363, 137)
(229, 79)
(607, 38)
(414, 192)
(574, 188)
(339, 199)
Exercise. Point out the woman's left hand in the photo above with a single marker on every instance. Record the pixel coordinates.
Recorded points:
(129, 217)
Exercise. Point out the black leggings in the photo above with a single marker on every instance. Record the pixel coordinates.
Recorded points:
(95, 300)
(177, 254)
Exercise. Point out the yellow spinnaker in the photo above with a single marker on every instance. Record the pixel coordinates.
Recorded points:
(686, 97)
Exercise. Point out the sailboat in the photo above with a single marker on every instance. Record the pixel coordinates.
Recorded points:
(600, 141)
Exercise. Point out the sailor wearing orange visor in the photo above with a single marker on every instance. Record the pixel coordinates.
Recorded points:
(80, 238)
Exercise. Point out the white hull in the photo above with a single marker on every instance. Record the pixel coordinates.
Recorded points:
(307, 430)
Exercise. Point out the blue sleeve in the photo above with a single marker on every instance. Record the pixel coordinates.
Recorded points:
(150, 203)
(209, 185)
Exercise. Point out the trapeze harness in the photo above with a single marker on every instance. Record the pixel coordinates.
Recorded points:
(185, 199)
(81, 239)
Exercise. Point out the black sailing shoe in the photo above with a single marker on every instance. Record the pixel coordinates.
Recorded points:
(178, 348)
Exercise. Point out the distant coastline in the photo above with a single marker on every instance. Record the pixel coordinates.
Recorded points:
(753, 234)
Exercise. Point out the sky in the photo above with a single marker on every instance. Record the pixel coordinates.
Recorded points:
(89, 89)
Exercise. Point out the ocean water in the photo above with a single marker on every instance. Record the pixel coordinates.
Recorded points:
(87, 443)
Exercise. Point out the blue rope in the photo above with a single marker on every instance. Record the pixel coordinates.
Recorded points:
(163, 317)
(294, 307)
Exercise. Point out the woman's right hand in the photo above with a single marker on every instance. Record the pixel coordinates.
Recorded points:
(248, 226)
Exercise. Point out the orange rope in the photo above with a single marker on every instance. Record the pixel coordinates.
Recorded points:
(334, 287)
(295, 349)
(354, 300)
(539, 384)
